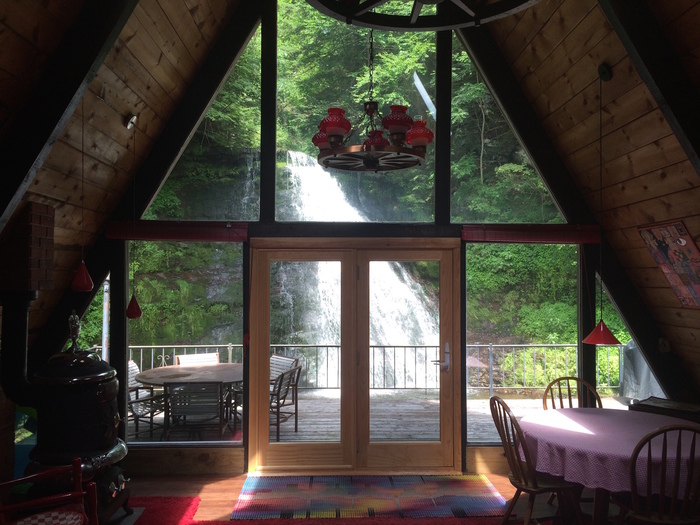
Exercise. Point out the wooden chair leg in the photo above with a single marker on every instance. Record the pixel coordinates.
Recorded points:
(528, 510)
(511, 506)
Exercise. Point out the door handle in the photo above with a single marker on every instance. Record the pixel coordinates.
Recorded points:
(444, 365)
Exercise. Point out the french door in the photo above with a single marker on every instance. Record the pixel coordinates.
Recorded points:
(374, 323)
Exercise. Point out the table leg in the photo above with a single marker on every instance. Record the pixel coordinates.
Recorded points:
(601, 498)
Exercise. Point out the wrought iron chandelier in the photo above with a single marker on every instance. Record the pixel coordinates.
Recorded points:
(392, 14)
(405, 147)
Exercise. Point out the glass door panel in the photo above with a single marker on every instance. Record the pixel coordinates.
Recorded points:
(367, 326)
(305, 331)
(407, 319)
(404, 381)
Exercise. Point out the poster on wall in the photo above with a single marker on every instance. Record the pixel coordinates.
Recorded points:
(678, 257)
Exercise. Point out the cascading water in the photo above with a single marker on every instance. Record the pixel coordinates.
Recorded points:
(401, 312)
(404, 329)
(315, 194)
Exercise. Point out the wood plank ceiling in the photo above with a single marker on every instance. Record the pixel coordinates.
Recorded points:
(72, 73)
(145, 70)
(649, 129)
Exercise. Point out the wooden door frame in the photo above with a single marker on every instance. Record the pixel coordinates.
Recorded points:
(264, 456)
(415, 454)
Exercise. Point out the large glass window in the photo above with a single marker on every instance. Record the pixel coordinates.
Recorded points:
(492, 178)
(522, 330)
(191, 296)
(217, 178)
(324, 62)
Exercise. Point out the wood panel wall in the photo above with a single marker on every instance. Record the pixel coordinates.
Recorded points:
(554, 50)
(156, 56)
(158, 53)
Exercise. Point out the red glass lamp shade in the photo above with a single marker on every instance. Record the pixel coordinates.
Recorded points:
(601, 335)
(133, 311)
(320, 140)
(335, 125)
(376, 138)
(419, 136)
(82, 282)
(397, 123)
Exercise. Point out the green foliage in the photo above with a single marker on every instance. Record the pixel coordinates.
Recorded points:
(91, 324)
(513, 292)
(188, 292)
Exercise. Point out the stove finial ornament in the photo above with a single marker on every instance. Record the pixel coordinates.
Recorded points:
(74, 325)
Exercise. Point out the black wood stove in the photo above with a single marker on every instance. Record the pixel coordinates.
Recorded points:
(78, 416)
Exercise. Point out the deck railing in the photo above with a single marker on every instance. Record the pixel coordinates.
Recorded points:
(489, 366)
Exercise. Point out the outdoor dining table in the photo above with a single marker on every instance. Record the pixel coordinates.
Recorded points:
(590, 446)
(227, 373)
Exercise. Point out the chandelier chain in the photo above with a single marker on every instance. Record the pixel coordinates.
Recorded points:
(370, 65)
(600, 189)
(82, 178)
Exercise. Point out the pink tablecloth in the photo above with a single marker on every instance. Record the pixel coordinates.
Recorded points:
(590, 446)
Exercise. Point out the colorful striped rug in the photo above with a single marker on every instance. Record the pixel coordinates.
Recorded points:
(267, 497)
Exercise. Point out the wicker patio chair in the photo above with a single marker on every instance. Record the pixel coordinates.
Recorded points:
(280, 391)
(210, 358)
(195, 407)
(144, 403)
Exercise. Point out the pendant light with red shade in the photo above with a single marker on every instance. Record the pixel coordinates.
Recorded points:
(82, 282)
(133, 310)
(601, 334)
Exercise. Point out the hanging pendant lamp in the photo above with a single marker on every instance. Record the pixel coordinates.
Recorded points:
(601, 335)
(404, 148)
(133, 311)
(82, 282)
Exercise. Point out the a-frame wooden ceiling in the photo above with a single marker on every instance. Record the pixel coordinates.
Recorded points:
(71, 73)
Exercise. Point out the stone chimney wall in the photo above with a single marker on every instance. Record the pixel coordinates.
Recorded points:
(26, 254)
(26, 265)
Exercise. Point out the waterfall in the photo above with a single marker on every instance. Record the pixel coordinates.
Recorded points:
(316, 195)
(401, 313)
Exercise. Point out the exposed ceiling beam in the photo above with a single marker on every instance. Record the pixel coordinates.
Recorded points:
(154, 170)
(661, 70)
(66, 77)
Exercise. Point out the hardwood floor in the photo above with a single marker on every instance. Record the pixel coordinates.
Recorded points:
(218, 494)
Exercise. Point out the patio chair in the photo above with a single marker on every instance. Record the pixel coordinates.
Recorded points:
(569, 392)
(280, 363)
(280, 391)
(523, 475)
(144, 403)
(53, 496)
(210, 358)
(674, 483)
(195, 407)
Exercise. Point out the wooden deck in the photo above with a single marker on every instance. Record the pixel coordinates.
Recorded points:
(411, 416)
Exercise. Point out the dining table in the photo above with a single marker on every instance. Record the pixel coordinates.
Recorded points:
(227, 373)
(590, 446)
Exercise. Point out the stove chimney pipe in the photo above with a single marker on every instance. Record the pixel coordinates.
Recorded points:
(14, 351)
